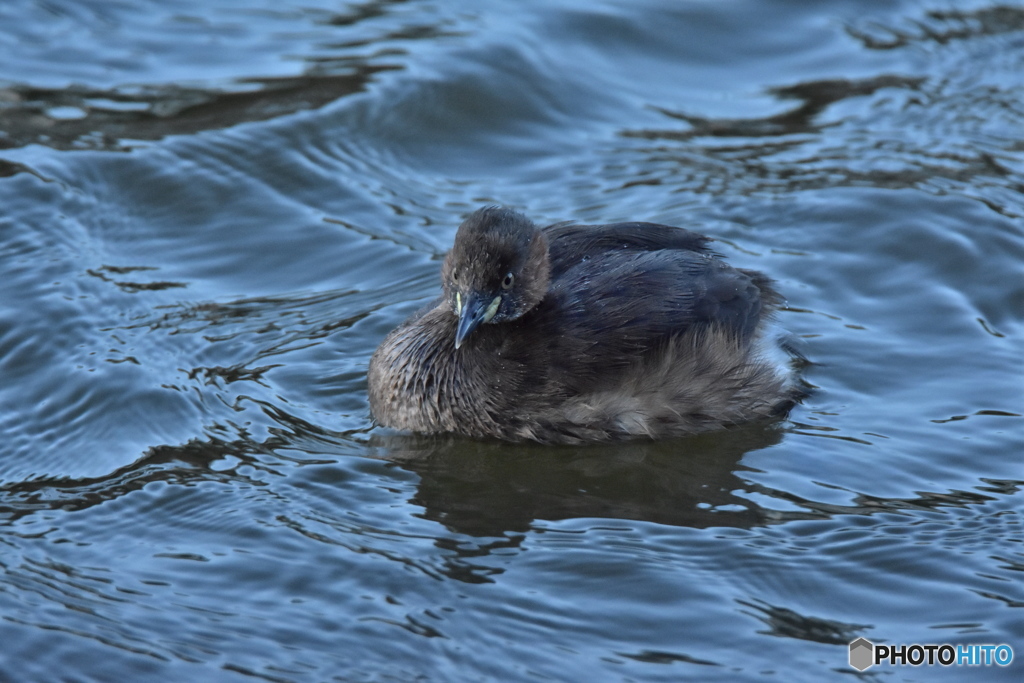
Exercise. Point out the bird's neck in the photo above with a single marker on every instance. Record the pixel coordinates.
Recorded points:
(427, 385)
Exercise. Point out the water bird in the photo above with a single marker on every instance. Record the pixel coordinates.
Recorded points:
(580, 333)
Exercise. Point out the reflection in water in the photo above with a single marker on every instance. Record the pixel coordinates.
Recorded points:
(814, 97)
(938, 26)
(183, 465)
(229, 455)
(487, 489)
(785, 623)
(889, 131)
(81, 117)
(108, 273)
(472, 487)
(110, 116)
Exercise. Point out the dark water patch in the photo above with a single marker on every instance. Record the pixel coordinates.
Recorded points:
(112, 120)
(649, 657)
(997, 413)
(785, 623)
(939, 26)
(815, 98)
(132, 287)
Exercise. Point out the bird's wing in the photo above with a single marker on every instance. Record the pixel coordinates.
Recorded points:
(609, 310)
(569, 243)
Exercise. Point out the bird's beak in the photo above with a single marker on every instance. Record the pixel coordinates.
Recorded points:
(476, 310)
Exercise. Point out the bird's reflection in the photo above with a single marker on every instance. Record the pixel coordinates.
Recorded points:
(489, 489)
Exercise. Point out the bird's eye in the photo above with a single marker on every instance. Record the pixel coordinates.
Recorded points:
(508, 281)
(455, 276)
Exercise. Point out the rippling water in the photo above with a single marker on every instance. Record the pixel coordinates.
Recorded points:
(213, 212)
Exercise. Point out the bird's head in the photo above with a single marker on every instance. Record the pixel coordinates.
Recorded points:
(497, 271)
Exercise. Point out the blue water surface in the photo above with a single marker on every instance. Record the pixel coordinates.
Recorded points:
(212, 212)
